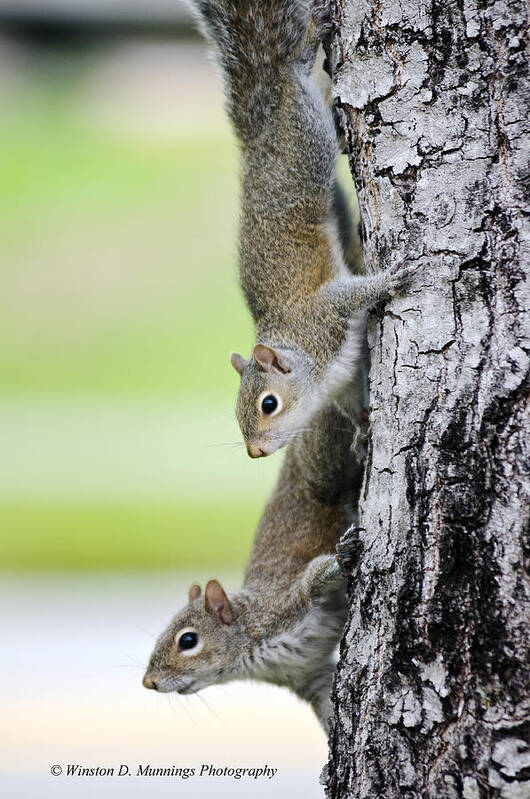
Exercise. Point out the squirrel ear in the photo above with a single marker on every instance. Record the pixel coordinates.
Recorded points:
(217, 603)
(194, 592)
(269, 359)
(238, 362)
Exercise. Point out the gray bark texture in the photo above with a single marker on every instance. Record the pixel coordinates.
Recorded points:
(432, 696)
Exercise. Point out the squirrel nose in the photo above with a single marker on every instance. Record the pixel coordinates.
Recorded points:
(256, 452)
(149, 682)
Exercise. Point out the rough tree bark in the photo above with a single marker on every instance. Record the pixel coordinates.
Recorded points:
(433, 695)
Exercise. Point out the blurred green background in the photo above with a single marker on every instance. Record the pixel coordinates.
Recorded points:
(119, 306)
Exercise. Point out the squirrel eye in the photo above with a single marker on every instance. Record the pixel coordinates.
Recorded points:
(269, 404)
(188, 641)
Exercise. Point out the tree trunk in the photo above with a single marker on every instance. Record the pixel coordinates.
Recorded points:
(433, 694)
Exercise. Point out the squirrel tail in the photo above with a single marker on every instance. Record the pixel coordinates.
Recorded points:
(253, 41)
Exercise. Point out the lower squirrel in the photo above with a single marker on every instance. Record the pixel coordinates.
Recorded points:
(304, 301)
(283, 626)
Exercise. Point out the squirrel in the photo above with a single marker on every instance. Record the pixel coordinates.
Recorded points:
(304, 301)
(283, 626)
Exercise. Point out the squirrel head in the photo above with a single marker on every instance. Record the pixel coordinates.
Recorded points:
(274, 401)
(200, 647)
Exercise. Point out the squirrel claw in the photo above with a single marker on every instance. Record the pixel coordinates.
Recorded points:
(348, 551)
(401, 274)
(359, 444)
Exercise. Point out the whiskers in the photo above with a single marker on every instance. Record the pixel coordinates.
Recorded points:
(285, 437)
(209, 708)
(182, 705)
(227, 444)
(185, 702)
(297, 432)
(136, 668)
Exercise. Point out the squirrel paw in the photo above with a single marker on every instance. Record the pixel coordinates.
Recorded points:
(401, 275)
(359, 444)
(348, 551)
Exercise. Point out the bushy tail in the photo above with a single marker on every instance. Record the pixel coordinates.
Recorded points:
(254, 41)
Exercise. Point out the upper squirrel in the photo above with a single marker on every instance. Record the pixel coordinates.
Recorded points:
(285, 623)
(302, 297)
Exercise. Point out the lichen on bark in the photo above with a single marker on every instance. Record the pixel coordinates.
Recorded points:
(433, 688)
